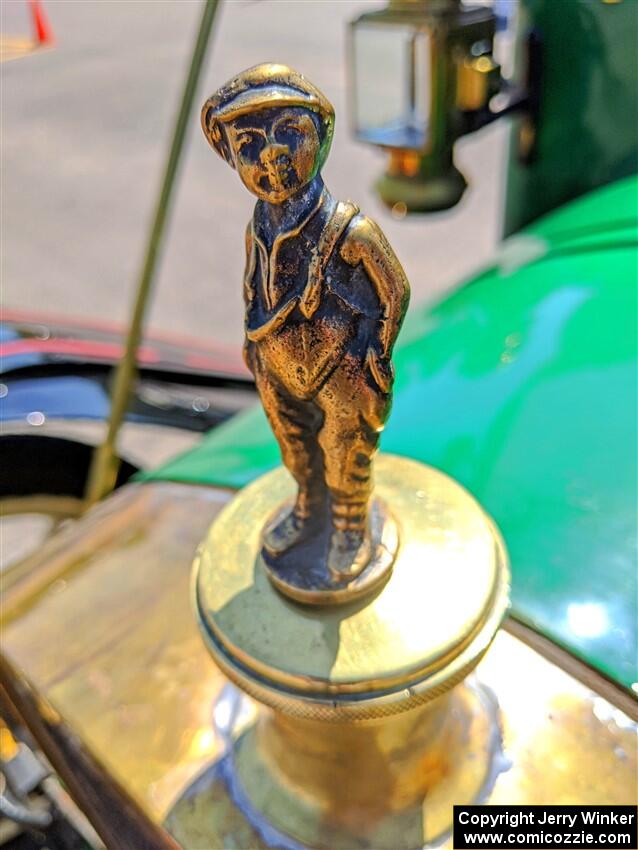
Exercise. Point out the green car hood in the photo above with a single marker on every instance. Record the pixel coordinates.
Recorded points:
(522, 386)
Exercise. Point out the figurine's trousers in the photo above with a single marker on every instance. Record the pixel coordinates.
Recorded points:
(329, 440)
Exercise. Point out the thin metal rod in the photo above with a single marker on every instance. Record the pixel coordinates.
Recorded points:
(105, 464)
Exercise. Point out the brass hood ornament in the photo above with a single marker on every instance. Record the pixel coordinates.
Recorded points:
(347, 604)
(325, 297)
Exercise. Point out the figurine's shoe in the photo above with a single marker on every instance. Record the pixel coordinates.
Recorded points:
(281, 534)
(350, 552)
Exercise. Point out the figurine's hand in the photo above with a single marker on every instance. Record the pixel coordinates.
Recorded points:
(381, 369)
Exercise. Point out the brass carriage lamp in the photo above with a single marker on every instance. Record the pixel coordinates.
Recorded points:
(421, 75)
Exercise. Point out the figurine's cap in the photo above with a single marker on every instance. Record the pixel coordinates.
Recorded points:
(263, 87)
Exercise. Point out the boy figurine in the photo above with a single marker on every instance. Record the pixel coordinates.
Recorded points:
(325, 298)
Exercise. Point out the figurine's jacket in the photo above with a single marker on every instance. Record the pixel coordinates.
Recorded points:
(306, 308)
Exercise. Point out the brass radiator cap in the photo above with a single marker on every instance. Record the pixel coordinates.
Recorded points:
(395, 649)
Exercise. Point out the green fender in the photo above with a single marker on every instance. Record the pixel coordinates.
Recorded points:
(522, 386)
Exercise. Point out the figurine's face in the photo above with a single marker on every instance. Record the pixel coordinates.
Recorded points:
(276, 151)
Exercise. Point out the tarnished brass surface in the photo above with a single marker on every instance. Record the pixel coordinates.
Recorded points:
(364, 784)
(113, 645)
(423, 630)
(520, 732)
(325, 298)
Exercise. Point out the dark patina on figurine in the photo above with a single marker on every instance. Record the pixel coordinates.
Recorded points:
(325, 297)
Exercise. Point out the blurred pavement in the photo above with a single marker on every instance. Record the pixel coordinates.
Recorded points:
(85, 128)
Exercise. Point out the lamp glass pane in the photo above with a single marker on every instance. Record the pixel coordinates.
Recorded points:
(391, 84)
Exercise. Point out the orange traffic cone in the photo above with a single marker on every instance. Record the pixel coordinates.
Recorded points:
(41, 26)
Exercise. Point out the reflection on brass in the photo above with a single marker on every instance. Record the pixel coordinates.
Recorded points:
(117, 818)
(113, 645)
(474, 81)
(588, 676)
(325, 297)
(104, 615)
